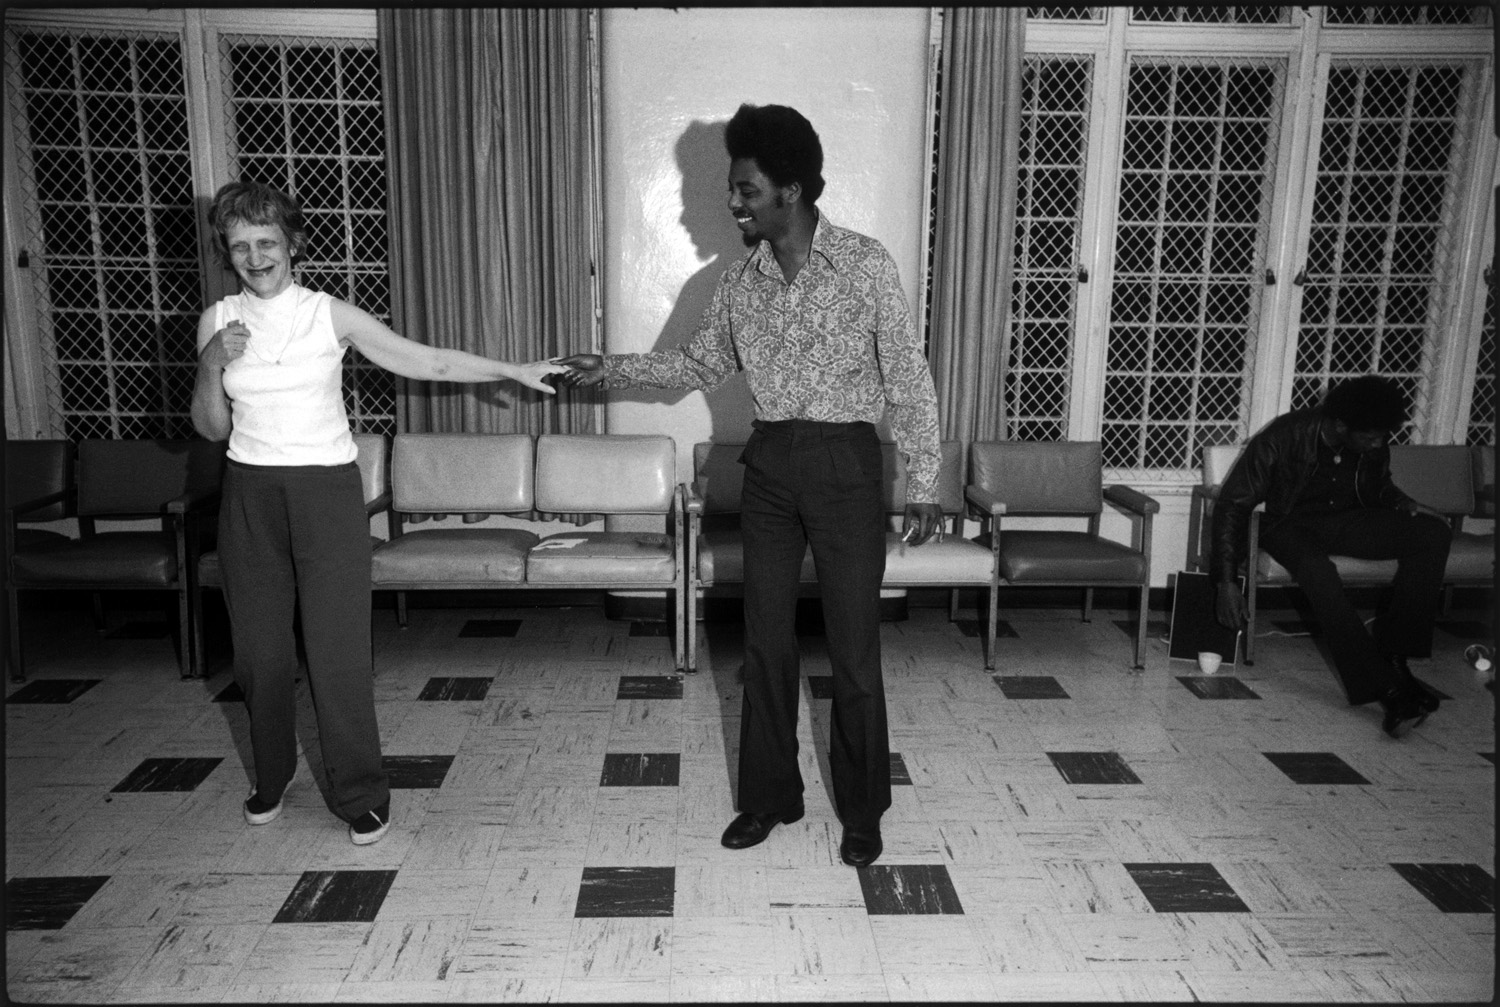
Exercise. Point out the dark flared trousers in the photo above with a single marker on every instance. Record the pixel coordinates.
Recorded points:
(819, 485)
(298, 536)
(1418, 543)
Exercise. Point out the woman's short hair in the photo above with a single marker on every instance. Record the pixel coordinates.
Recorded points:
(1369, 402)
(782, 142)
(258, 204)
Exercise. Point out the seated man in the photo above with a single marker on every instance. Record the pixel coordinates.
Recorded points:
(1324, 475)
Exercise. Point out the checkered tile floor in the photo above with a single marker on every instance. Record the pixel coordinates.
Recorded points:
(1062, 829)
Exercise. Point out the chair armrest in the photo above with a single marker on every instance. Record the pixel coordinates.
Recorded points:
(692, 498)
(1203, 492)
(23, 506)
(984, 500)
(1131, 499)
(379, 505)
(193, 501)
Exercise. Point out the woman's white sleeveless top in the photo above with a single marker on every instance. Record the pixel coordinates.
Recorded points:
(286, 390)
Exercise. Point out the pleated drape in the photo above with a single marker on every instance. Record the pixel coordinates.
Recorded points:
(973, 261)
(491, 181)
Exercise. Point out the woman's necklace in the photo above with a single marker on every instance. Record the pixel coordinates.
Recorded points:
(1338, 449)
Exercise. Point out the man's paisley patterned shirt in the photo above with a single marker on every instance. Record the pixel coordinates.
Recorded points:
(836, 344)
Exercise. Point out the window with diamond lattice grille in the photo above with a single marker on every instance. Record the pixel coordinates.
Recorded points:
(1482, 409)
(1055, 93)
(1213, 14)
(1067, 12)
(306, 117)
(1408, 14)
(107, 223)
(1196, 175)
(1376, 285)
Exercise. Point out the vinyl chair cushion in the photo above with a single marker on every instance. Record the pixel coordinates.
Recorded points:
(605, 474)
(953, 561)
(1471, 559)
(133, 558)
(721, 558)
(1040, 557)
(462, 473)
(454, 555)
(1440, 476)
(603, 558)
(1351, 569)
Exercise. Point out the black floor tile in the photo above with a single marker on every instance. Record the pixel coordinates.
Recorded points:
(975, 627)
(1315, 767)
(1156, 629)
(1217, 687)
(336, 897)
(1186, 888)
(52, 690)
(490, 627)
(1093, 767)
(1030, 687)
(416, 772)
(231, 693)
(139, 631)
(626, 891)
(900, 777)
(455, 689)
(651, 769)
(652, 629)
(167, 775)
(821, 686)
(649, 687)
(1488, 755)
(1453, 888)
(47, 903)
(908, 889)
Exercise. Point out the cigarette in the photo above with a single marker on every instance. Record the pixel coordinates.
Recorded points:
(906, 537)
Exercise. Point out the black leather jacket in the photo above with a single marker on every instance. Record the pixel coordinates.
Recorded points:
(1274, 468)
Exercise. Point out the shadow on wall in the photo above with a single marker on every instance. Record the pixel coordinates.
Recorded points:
(704, 167)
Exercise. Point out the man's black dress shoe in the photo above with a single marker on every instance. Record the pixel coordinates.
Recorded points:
(748, 829)
(1405, 708)
(860, 846)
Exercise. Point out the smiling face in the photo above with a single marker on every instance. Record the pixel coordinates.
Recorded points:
(261, 256)
(762, 209)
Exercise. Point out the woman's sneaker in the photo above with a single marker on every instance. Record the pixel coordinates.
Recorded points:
(370, 826)
(261, 812)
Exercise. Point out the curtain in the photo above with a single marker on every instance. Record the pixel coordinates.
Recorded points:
(491, 205)
(974, 254)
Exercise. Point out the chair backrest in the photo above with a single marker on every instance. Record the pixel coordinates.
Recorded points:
(1043, 477)
(139, 477)
(462, 473)
(374, 464)
(36, 469)
(1483, 456)
(1438, 475)
(950, 477)
(1218, 459)
(605, 473)
(718, 475)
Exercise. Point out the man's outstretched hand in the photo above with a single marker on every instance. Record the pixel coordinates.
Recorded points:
(922, 520)
(1230, 606)
(584, 369)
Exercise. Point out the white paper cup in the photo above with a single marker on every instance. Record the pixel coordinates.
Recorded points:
(1208, 662)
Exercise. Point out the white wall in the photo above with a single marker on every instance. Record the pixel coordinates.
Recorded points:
(670, 81)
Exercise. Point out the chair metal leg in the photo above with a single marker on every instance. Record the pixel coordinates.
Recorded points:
(953, 605)
(13, 654)
(1250, 621)
(200, 662)
(187, 662)
(1140, 631)
(401, 609)
(679, 609)
(1088, 604)
(691, 627)
(98, 612)
(989, 630)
